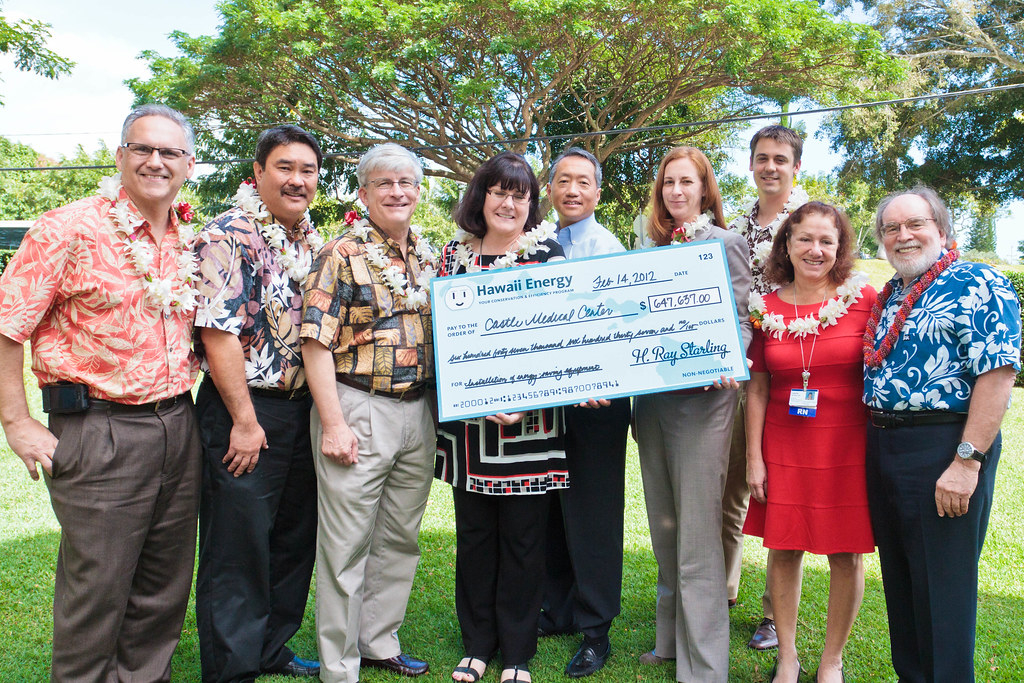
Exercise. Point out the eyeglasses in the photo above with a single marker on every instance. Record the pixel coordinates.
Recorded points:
(385, 184)
(145, 151)
(913, 224)
(501, 196)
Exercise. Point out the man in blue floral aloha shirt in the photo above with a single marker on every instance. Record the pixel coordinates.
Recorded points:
(937, 378)
(257, 514)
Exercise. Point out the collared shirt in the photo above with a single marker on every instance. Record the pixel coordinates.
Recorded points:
(71, 289)
(586, 238)
(759, 241)
(966, 323)
(244, 290)
(347, 307)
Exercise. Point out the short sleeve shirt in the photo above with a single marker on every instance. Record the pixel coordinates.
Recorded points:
(966, 323)
(71, 289)
(759, 241)
(244, 290)
(347, 307)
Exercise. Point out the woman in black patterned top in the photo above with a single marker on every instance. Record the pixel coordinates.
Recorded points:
(500, 466)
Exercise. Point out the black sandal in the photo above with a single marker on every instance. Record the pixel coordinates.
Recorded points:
(469, 670)
(515, 669)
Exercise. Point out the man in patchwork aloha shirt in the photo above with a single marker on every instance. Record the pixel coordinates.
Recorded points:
(368, 349)
(104, 288)
(944, 352)
(257, 517)
(775, 153)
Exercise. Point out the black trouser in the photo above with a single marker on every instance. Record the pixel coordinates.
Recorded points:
(929, 563)
(257, 539)
(499, 560)
(584, 547)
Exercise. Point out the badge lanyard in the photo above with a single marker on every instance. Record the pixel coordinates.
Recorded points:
(804, 403)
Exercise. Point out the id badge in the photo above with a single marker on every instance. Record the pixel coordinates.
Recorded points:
(803, 402)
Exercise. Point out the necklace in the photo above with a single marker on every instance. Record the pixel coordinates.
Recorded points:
(166, 294)
(688, 231)
(292, 257)
(391, 275)
(806, 374)
(525, 246)
(873, 358)
(829, 314)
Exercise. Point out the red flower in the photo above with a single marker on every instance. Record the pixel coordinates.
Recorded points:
(351, 217)
(185, 212)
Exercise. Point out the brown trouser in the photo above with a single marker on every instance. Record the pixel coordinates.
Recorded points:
(125, 489)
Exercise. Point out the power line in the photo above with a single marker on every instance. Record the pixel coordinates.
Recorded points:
(616, 131)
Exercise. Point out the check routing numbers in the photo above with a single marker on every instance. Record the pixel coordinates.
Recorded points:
(563, 332)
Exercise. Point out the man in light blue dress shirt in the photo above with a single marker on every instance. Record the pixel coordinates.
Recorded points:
(584, 582)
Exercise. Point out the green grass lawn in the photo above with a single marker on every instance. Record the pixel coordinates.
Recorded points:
(29, 536)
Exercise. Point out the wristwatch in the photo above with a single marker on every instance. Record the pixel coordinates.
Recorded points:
(966, 451)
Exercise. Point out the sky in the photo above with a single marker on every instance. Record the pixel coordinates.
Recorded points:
(89, 105)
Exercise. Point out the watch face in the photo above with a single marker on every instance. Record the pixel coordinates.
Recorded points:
(965, 450)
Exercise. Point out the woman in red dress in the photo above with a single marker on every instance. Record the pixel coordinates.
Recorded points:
(805, 427)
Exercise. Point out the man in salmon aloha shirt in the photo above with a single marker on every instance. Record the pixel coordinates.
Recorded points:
(104, 289)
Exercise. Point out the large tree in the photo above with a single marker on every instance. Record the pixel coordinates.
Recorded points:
(441, 75)
(967, 147)
(25, 41)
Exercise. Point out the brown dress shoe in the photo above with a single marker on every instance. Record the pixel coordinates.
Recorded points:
(651, 659)
(764, 637)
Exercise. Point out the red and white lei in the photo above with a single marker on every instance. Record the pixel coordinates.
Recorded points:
(525, 246)
(295, 258)
(390, 274)
(165, 294)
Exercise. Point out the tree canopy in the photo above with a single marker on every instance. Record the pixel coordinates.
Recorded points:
(25, 40)
(440, 75)
(966, 147)
(28, 194)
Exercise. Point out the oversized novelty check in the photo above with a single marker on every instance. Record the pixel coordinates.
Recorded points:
(603, 327)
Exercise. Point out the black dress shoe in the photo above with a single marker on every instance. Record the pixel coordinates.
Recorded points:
(298, 668)
(403, 664)
(587, 660)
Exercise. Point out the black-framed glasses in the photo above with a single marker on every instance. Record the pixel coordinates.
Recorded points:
(385, 184)
(913, 224)
(501, 196)
(145, 151)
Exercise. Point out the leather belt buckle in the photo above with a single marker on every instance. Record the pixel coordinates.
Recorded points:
(163, 403)
(884, 420)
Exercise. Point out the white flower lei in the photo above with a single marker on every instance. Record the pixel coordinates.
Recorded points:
(829, 313)
(293, 258)
(392, 275)
(797, 198)
(526, 245)
(690, 230)
(178, 292)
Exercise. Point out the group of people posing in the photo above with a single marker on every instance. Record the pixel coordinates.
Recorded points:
(870, 420)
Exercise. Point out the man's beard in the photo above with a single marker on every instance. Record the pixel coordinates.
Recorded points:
(910, 268)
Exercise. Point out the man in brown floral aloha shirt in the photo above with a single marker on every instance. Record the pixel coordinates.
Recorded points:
(257, 518)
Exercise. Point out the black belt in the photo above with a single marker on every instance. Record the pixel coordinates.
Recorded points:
(410, 394)
(884, 419)
(152, 407)
(282, 394)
